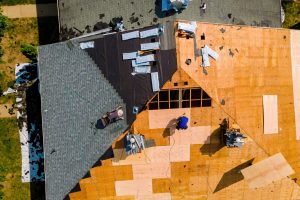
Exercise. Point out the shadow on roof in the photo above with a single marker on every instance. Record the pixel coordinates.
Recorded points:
(232, 176)
(48, 29)
(37, 191)
(215, 143)
(108, 154)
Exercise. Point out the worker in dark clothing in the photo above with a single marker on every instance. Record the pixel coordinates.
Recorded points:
(182, 122)
(203, 7)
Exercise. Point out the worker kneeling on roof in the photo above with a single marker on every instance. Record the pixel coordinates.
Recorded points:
(182, 122)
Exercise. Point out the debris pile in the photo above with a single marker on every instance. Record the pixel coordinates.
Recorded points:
(29, 122)
(142, 58)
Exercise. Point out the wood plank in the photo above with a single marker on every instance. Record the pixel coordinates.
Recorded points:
(295, 56)
(166, 117)
(267, 171)
(192, 135)
(134, 187)
(270, 114)
(151, 171)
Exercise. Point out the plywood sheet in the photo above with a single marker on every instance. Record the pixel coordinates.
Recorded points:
(134, 187)
(267, 171)
(162, 154)
(151, 171)
(295, 57)
(158, 154)
(157, 196)
(166, 117)
(121, 158)
(192, 135)
(270, 104)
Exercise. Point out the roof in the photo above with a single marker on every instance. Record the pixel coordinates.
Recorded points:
(74, 95)
(248, 69)
(135, 90)
(182, 167)
(77, 17)
(77, 87)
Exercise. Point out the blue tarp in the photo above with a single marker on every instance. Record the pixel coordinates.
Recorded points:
(167, 5)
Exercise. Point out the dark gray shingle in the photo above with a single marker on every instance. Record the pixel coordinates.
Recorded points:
(83, 15)
(74, 94)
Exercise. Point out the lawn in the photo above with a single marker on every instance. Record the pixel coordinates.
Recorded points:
(292, 15)
(11, 186)
(19, 31)
(15, 2)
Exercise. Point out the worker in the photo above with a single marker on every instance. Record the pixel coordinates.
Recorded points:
(182, 122)
(203, 7)
(115, 115)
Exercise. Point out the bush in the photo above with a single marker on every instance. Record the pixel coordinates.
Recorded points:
(3, 24)
(29, 51)
(1, 51)
(10, 84)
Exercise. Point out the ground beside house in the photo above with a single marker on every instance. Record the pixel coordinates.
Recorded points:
(292, 14)
(11, 186)
(19, 31)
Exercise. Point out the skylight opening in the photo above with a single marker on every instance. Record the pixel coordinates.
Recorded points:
(180, 98)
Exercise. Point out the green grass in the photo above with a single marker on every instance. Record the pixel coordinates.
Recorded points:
(16, 2)
(292, 15)
(18, 31)
(11, 186)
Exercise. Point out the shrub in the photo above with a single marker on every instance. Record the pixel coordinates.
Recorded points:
(1, 51)
(29, 51)
(10, 84)
(3, 24)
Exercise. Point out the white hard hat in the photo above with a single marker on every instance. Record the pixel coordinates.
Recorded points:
(132, 140)
(120, 113)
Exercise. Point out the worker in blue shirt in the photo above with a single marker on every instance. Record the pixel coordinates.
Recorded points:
(182, 122)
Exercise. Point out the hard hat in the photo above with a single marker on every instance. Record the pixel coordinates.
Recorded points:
(120, 113)
(132, 140)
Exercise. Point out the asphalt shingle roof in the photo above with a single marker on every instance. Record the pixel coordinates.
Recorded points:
(135, 90)
(80, 17)
(74, 95)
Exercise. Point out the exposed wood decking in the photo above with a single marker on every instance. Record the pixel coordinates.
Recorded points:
(252, 62)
